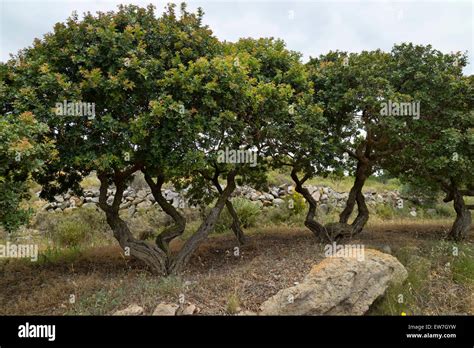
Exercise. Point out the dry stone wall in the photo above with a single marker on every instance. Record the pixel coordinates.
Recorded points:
(134, 199)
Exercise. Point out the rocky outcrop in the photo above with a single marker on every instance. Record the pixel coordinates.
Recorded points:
(339, 285)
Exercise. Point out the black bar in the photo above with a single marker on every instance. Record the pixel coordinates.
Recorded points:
(225, 330)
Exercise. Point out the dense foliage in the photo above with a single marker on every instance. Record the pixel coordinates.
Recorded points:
(120, 92)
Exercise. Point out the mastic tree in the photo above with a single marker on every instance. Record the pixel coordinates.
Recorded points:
(114, 61)
(353, 89)
(206, 106)
(290, 127)
(23, 149)
(166, 100)
(438, 148)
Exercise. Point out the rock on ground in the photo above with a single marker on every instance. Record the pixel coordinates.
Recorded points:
(339, 286)
(165, 309)
(189, 309)
(130, 310)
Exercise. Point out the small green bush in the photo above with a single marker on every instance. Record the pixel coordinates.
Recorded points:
(90, 181)
(444, 210)
(299, 204)
(70, 233)
(94, 219)
(276, 215)
(292, 212)
(75, 227)
(247, 212)
(54, 255)
(393, 184)
(233, 304)
(384, 211)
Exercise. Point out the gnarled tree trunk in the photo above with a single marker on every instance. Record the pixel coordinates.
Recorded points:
(164, 238)
(239, 233)
(183, 256)
(151, 255)
(363, 171)
(361, 175)
(462, 224)
(318, 230)
(362, 214)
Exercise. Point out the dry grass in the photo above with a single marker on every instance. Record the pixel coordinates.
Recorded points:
(219, 281)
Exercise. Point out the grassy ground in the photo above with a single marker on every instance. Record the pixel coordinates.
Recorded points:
(82, 271)
(101, 280)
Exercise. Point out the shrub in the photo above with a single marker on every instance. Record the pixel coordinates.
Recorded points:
(276, 214)
(384, 211)
(292, 212)
(74, 227)
(233, 304)
(90, 181)
(444, 210)
(93, 218)
(70, 233)
(54, 255)
(247, 212)
(298, 203)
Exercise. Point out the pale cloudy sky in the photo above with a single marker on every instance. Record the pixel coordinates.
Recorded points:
(312, 27)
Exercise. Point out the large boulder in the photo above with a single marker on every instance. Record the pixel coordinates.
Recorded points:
(339, 285)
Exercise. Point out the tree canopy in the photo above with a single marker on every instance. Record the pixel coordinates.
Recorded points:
(121, 92)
